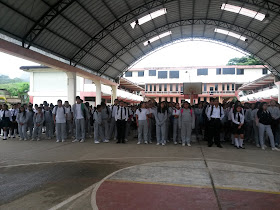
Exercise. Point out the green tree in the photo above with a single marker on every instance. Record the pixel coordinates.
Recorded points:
(245, 60)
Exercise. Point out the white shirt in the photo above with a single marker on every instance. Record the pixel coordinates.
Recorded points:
(68, 113)
(123, 111)
(79, 112)
(235, 118)
(216, 112)
(113, 110)
(59, 115)
(176, 112)
(142, 115)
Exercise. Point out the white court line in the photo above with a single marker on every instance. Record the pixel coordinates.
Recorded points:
(74, 197)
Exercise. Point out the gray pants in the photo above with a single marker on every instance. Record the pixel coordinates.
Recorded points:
(262, 129)
(160, 130)
(69, 128)
(49, 129)
(248, 130)
(186, 132)
(80, 129)
(88, 127)
(127, 129)
(150, 130)
(22, 131)
(113, 128)
(176, 131)
(60, 131)
(97, 132)
(30, 129)
(166, 129)
(37, 131)
(256, 133)
(142, 130)
(105, 130)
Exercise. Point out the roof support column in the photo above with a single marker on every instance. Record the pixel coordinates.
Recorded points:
(98, 92)
(71, 87)
(114, 93)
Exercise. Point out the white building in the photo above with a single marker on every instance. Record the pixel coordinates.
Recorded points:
(48, 84)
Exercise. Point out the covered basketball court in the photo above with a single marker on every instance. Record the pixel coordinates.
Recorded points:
(100, 40)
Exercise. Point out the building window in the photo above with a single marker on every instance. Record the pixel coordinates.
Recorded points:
(90, 99)
(240, 71)
(128, 74)
(159, 87)
(205, 87)
(152, 73)
(162, 74)
(227, 86)
(223, 87)
(181, 88)
(165, 98)
(151, 87)
(155, 87)
(171, 87)
(88, 81)
(177, 99)
(177, 88)
(232, 86)
(159, 99)
(173, 74)
(228, 70)
(140, 73)
(202, 72)
(216, 87)
(165, 87)
(146, 87)
(171, 99)
(205, 99)
(264, 71)
(218, 71)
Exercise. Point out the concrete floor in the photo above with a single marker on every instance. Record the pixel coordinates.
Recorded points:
(45, 174)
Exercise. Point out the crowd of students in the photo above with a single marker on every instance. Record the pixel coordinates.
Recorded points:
(151, 122)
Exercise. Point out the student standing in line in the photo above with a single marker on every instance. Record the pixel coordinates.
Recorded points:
(238, 126)
(186, 123)
(49, 122)
(105, 113)
(121, 117)
(142, 123)
(22, 120)
(215, 115)
(69, 120)
(38, 120)
(30, 122)
(198, 120)
(79, 114)
(14, 125)
(264, 120)
(248, 126)
(97, 124)
(176, 129)
(161, 117)
(255, 109)
(128, 123)
(275, 114)
(150, 121)
(113, 127)
(59, 118)
(6, 120)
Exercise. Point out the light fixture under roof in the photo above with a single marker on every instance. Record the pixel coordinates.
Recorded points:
(229, 33)
(243, 11)
(157, 38)
(148, 17)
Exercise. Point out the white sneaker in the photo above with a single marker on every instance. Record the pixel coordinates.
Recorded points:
(275, 149)
(76, 140)
(146, 142)
(163, 144)
(157, 143)
(150, 142)
(106, 141)
(96, 142)
(138, 142)
(63, 140)
(20, 139)
(49, 138)
(38, 139)
(25, 139)
(57, 141)
(263, 148)
(189, 145)
(175, 143)
(82, 141)
(115, 139)
(258, 146)
(183, 144)
(32, 139)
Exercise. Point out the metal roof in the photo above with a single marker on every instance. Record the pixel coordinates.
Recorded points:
(130, 85)
(97, 35)
(265, 80)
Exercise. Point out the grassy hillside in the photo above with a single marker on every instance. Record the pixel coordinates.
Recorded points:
(16, 89)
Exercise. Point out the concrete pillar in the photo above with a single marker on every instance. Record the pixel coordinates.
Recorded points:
(98, 92)
(114, 93)
(71, 87)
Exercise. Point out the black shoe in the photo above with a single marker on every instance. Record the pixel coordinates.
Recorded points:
(220, 146)
(210, 145)
(4, 139)
(118, 142)
(123, 142)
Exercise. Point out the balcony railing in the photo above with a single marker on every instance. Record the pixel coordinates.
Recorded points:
(155, 92)
(218, 92)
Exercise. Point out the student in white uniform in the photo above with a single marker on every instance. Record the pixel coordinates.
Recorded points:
(38, 120)
(69, 120)
(30, 124)
(128, 123)
(14, 125)
(176, 130)
(97, 124)
(113, 127)
(238, 126)
(142, 123)
(105, 113)
(49, 122)
(186, 123)
(121, 118)
(79, 114)
(6, 120)
(22, 120)
(161, 118)
(59, 117)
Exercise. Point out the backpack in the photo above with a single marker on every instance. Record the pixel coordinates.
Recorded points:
(56, 107)
(212, 107)
(124, 110)
(182, 110)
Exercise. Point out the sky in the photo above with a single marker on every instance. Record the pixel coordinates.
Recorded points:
(190, 53)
